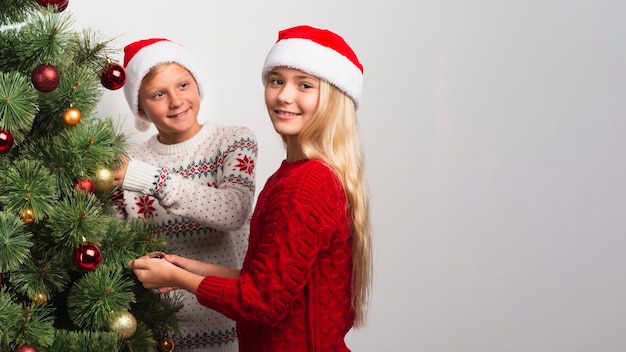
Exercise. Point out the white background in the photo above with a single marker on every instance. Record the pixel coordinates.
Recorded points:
(494, 136)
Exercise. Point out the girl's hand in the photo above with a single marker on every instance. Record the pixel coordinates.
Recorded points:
(153, 272)
(162, 274)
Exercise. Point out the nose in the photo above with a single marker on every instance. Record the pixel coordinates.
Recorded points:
(286, 94)
(174, 100)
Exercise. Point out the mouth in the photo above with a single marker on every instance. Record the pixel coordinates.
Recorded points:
(282, 114)
(180, 115)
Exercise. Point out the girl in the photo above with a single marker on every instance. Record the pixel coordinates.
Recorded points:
(306, 276)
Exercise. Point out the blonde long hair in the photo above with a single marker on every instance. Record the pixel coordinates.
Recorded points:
(332, 136)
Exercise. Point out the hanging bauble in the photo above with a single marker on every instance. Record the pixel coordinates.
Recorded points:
(71, 116)
(87, 256)
(61, 4)
(25, 348)
(45, 78)
(83, 184)
(28, 215)
(166, 344)
(113, 76)
(123, 323)
(6, 141)
(40, 299)
(103, 178)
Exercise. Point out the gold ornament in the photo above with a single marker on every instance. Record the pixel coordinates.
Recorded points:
(28, 215)
(71, 116)
(103, 179)
(40, 299)
(124, 324)
(166, 344)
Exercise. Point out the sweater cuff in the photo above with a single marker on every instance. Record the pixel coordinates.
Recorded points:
(211, 290)
(140, 177)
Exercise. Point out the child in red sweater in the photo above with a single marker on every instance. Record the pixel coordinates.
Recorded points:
(305, 280)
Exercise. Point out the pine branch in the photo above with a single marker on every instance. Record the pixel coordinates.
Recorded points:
(95, 298)
(15, 242)
(84, 340)
(15, 11)
(77, 219)
(28, 183)
(40, 278)
(18, 105)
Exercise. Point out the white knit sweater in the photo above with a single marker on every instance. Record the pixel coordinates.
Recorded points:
(200, 194)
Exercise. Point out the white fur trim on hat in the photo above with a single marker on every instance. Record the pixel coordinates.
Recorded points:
(143, 60)
(318, 60)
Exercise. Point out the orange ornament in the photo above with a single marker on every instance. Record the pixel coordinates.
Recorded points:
(28, 215)
(40, 299)
(166, 344)
(71, 116)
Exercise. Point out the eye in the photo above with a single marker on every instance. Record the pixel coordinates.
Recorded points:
(157, 95)
(184, 84)
(276, 81)
(305, 86)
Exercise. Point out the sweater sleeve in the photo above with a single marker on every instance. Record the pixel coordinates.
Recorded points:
(223, 206)
(298, 223)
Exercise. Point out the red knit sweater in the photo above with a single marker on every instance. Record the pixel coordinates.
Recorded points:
(294, 291)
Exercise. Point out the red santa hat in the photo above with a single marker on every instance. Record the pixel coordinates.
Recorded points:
(140, 57)
(318, 52)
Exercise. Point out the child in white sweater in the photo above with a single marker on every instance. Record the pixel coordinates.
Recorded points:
(195, 181)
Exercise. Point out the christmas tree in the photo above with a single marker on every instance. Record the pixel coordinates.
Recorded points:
(64, 282)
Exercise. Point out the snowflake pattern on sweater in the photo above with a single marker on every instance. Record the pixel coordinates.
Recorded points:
(199, 194)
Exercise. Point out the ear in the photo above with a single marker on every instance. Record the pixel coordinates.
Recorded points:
(141, 113)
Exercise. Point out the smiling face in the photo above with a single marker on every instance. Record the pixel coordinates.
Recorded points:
(291, 97)
(169, 97)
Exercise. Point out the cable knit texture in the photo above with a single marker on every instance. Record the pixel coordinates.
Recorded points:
(199, 193)
(294, 291)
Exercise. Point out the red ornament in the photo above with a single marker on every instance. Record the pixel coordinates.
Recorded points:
(82, 184)
(87, 257)
(6, 141)
(113, 76)
(25, 348)
(62, 4)
(45, 78)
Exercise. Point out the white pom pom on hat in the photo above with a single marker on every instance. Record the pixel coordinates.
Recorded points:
(318, 52)
(140, 57)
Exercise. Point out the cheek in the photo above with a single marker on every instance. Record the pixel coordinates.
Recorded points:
(268, 97)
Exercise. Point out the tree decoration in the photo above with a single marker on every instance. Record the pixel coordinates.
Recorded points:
(124, 324)
(25, 348)
(87, 256)
(61, 4)
(49, 205)
(83, 184)
(103, 178)
(71, 116)
(45, 78)
(28, 215)
(6, 141)
(113, 76)
(166, 344)
(40, 299)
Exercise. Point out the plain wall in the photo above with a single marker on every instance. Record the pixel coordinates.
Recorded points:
(494, 136)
